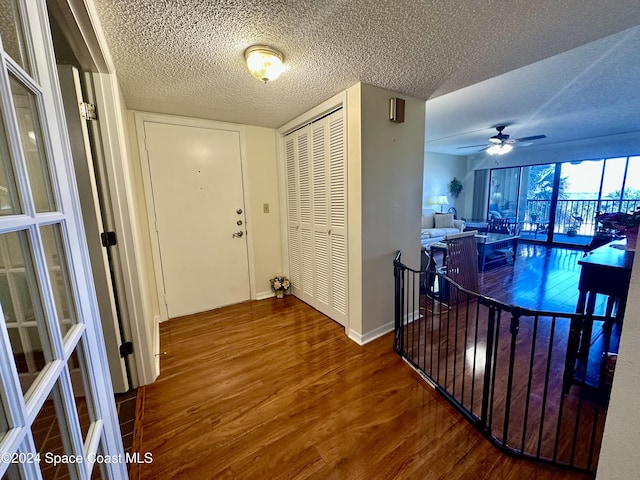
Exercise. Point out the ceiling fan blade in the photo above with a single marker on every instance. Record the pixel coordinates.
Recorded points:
(528, 139)
(474, 146)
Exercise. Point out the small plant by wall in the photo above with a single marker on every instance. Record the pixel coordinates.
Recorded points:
(455, 187)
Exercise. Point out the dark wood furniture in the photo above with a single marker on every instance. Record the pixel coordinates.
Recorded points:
(459, 262)
(494, 248)
(462, 260)
(504, 225)
(606, 271)
(481, 226)
(428, 265)
(441, 247)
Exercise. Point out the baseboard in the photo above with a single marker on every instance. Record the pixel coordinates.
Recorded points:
(156, 344)
(411, 317)
(372, 335)
(263, 295)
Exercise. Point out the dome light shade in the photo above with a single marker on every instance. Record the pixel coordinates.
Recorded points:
(264, 62)
(499, 149)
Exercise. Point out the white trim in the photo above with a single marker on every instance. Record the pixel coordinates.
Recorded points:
(383, 330)
(140, 118)
(372, 335)
(265, 295)
(282, 195)
(156, 340)
(76, 17)
(335, 102)
(82, 19)
(123, 206)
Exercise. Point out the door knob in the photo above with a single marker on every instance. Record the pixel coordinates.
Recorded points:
(237, 234)
(239, 222)
(239, 211)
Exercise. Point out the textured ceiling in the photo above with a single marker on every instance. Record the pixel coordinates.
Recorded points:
(588, 92)
(185, 57)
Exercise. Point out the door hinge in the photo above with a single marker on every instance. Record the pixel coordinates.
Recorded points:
(126, 349)
(108, 239)
(88, 111)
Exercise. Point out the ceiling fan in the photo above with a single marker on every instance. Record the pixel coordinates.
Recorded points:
(500, 143)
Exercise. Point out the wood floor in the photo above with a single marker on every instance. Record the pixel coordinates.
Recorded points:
(542, 278)
(273, 389)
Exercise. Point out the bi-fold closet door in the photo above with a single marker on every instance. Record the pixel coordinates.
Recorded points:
(316, 194)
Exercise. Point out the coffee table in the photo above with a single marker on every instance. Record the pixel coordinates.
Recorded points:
(494, 248)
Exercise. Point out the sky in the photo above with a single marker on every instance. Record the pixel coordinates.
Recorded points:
(585, 176)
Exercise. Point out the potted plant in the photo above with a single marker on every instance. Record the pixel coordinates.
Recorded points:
(280, 284)
(625, 223)
(455, 187)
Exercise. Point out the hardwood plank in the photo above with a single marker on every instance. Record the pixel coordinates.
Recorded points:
(274, 389)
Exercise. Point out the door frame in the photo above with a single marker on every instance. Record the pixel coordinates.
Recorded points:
(94, 226)
(140, 119)
(79, 19)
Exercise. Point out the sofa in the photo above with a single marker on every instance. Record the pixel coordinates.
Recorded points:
(436, 226)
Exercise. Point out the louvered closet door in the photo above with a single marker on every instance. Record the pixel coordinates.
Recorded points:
(337, 167)
(306, 224)
(316, 202)
(319, 153)
(293, 215)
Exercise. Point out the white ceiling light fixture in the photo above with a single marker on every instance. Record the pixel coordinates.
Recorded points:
(499, 149)
(264, 62)
(500, 143)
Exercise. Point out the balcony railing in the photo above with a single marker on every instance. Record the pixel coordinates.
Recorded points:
(578, 214)
(502, 367)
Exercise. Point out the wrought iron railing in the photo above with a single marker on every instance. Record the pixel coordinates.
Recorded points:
(579, 214)
(503, 367)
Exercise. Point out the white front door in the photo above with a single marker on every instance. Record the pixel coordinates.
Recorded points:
(196, 185)
(49, 315)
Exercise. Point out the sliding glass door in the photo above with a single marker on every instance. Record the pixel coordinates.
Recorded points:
(558, 202)
(578, 201)
(537, 193)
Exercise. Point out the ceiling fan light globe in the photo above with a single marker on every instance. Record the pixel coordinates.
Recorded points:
(499, 149)
(494, 149)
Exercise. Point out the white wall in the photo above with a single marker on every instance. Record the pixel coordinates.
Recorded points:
(439, 170)
(391, 165)
(264, 229)
(619, 454)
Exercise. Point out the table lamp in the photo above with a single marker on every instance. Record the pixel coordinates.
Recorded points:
(439, 200)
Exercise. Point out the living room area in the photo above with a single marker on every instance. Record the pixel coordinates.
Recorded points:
(543, 162)
(537, 153)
